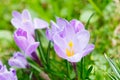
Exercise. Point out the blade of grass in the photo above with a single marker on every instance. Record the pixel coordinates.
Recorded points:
(112, 77)
(86, 26)
(113, 66)
(95, 7)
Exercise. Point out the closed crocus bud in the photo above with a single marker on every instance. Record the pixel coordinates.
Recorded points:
(25, 42)
(5, 74)
(18, 60)
(74, 45)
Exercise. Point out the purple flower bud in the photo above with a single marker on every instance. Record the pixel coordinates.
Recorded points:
(18, 60)
(25, 41)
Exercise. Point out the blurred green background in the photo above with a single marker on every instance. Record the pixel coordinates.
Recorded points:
(104, 27)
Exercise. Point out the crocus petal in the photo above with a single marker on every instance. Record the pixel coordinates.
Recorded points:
(75, 58)
(49, 34)
(18, 60)
(61, 22)
(31, 48)
(88, 49)
(2, 77)
(13, 71)
(21, 42)
(40, 24)
(16, 23)
(2, 68)
(7, 75)
(57, 29)
(16, 15)
(16, 63)
(26, 15)
(60, 42)
(54, 26)
(83, 38)
(69, 32)
(59, 52)
(28, 26)
(78, 26)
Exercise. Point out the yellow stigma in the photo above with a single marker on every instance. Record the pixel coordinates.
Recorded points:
(24, 20)
(70, 44)
(70, 51)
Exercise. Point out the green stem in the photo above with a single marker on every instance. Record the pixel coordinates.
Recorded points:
(48, 54)
(68, 69)
(40, 47)
(75, 69)
(82, 68)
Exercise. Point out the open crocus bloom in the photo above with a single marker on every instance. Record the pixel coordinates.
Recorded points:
(25, 42)
(18, 60)
(5, 74)
(24, 21)
(74, 44)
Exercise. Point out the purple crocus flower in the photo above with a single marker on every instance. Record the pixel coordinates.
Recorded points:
(18, 60)
(74, 45)
(24, 21)
(25, 42)
(5, 74)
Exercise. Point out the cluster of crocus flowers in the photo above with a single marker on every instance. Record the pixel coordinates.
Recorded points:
(24, 37)
(5, 74)
(70, 39)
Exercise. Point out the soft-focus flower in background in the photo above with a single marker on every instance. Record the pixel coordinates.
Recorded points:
(73, 45)
(5, 74)
(18, 60)
(25, 42)
(55, 28)
(24, 21)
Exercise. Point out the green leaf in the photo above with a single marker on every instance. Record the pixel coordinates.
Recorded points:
(40, 49)
(89, 71)
(113, 66)
(34, 65)
(48, 54)
(95, 7)
(86, 26)
(72, 75)
(112, 77)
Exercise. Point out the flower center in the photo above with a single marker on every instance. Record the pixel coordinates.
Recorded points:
(70, 51)
(24, 20)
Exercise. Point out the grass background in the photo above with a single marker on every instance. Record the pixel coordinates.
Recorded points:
(104, 27)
